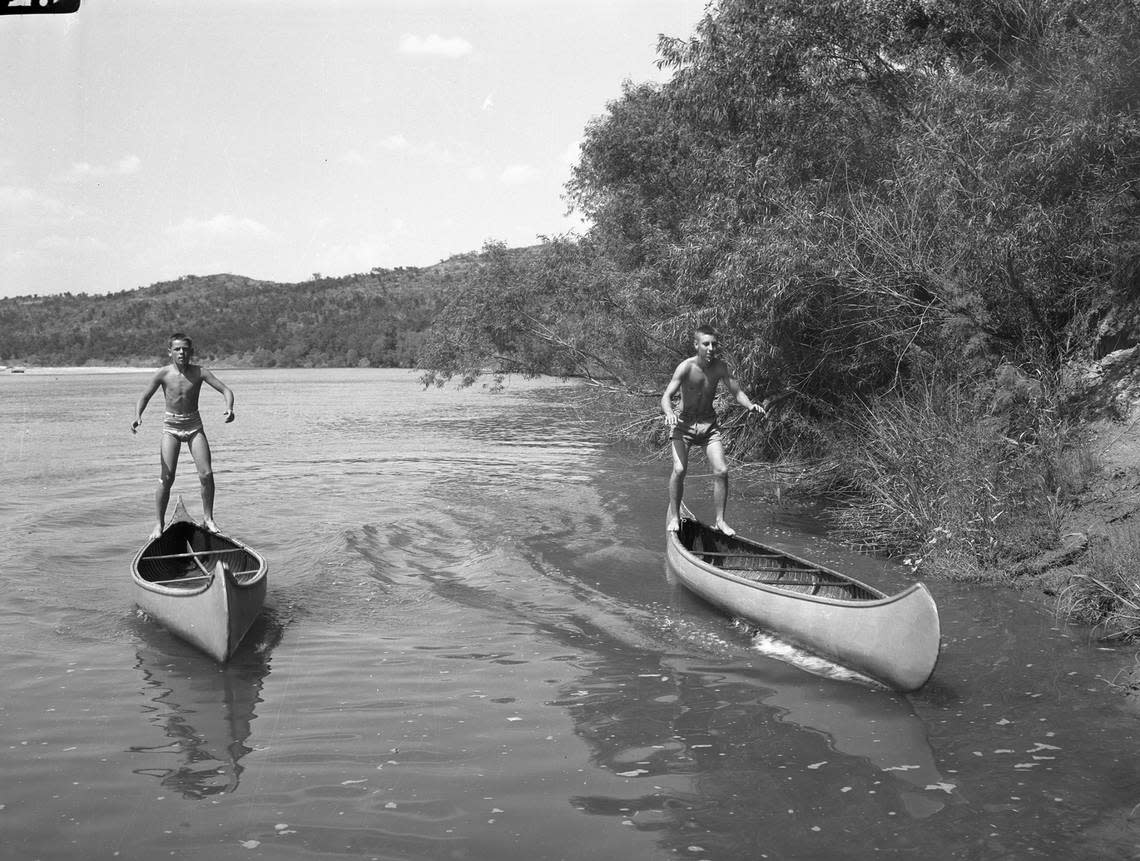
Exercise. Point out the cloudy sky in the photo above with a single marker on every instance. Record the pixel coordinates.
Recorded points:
(142, 141)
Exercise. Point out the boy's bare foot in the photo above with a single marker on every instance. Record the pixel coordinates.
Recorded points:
(154, 533)
(721, 526)
(209, 525)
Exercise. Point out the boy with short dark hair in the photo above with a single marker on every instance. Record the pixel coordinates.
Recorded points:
(697, 379)
(181, 383)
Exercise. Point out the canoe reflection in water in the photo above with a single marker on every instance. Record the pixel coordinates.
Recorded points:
(714, 743)
(876, 726)
(205, 709)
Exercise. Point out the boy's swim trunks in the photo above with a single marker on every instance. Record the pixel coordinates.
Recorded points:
(182, 426)
(700, 431)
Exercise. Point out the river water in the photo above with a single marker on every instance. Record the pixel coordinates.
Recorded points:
(471, 650)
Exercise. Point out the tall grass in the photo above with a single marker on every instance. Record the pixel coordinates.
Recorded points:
(960, 481)
(1106, 592)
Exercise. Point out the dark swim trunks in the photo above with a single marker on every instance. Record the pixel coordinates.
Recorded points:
(182, 426)
(696, 431)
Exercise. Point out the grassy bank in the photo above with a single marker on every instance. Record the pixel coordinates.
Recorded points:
(962, 480)
(1009, 482)
(1104, 591)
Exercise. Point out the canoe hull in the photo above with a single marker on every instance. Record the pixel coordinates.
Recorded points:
(209, 593)
(894, 639)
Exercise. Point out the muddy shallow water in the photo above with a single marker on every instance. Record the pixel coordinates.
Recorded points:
(472, 650)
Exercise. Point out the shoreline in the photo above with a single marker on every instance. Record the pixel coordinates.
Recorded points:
(71, 369)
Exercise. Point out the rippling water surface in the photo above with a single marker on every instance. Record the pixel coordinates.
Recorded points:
(471, 651)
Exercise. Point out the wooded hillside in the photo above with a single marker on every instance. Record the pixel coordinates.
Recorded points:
(375, 319)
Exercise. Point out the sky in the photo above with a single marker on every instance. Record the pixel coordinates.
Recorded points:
(143, 141)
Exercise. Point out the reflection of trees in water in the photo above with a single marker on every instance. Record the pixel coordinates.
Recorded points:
(205, 709)
(741, 759)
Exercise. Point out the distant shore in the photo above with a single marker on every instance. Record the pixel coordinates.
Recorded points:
(76, 369)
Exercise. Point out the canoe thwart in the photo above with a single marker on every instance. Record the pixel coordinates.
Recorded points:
(192, 553)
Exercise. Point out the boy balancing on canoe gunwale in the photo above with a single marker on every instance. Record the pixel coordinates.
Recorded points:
(181, 383)
(696, 379)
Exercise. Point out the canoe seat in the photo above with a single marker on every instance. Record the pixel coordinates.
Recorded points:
(179, 581)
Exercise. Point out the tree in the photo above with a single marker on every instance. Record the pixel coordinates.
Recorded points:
(856, 192)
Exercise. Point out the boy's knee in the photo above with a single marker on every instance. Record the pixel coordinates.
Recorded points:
(720, 471)
(205, 475)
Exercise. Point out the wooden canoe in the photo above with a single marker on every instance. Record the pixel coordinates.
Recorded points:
(204, 587)
(893, 639)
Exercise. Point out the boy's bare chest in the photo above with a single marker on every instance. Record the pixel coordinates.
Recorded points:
(180, 385)
(698, 380)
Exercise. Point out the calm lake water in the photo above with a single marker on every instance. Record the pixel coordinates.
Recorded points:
(471, 650)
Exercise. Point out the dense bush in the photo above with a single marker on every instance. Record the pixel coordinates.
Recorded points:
(864, 197)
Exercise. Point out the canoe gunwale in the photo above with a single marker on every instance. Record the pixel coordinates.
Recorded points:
(180, 515)
(881, 601)
(207, 583)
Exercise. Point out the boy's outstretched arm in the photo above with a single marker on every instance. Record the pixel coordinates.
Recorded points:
(742, 398)
(144, 399)
(227, 393)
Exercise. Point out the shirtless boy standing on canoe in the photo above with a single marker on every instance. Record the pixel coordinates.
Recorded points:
(696, 379)
(181, 383)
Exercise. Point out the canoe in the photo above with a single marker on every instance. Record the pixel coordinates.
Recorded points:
(893, 639)
(204, 587)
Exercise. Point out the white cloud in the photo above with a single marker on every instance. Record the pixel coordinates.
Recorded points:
(34, 207)
(51, 251)
(431, 151)
(518, 174)
(434, 45)
(354, 158)
(488, 102)
(84, 170)
(440, 154)
(395, 142)
(71, 245)
(192, 231)
(362, 253)
(128, 164)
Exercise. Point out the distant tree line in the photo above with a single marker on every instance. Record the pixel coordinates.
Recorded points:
(376, 319)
